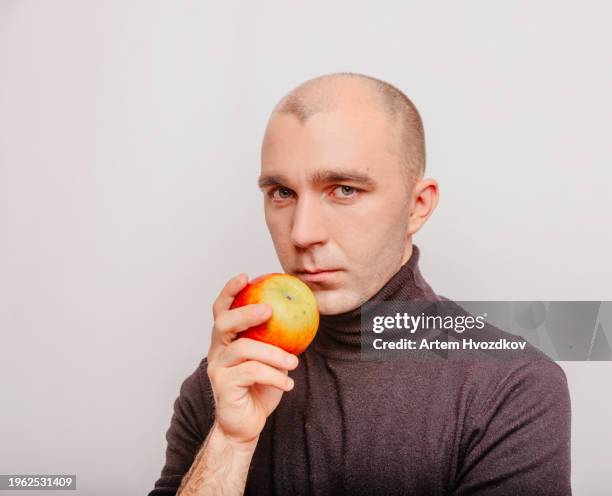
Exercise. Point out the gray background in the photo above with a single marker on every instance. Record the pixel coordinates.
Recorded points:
(129, 141)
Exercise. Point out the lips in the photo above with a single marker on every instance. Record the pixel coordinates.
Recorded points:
(318, 275)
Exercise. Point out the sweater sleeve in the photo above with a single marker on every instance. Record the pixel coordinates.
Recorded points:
(519, 441)
(191, 421)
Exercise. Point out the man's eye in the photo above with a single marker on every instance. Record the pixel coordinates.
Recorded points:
(345, 191)
(281, 193)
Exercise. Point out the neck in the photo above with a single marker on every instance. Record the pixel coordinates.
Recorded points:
(407, 253)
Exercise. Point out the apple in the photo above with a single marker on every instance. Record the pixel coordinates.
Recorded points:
(295, 315)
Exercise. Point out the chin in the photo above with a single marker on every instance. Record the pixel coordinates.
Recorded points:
(335, 302)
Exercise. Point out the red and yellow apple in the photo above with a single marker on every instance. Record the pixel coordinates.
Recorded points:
(295, 315)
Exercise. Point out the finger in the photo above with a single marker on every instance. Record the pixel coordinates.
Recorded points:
(228, 293)
(240, 319)
(252, 372)
(245, 349)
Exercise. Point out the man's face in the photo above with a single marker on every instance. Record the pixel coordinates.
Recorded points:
(335, 200)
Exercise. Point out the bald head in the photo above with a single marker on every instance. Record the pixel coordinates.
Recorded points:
(332, 91)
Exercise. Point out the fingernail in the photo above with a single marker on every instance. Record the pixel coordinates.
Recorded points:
(290, 382)
(291, 360)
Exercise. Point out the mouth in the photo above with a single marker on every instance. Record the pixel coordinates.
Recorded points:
(317, 275)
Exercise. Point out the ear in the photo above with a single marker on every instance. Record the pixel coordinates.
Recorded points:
(425, 196)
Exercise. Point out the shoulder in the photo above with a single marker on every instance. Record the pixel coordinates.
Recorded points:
(197, 382)
(517, 431)
(520, 391)
(195, 402)
(501, 376)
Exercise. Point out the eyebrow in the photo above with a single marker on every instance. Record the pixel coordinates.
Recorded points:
(321, 177)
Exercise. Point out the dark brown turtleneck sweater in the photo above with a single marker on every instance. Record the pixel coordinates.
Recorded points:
(434, 427)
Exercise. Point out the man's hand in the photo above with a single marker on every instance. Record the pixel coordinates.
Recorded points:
(248, 377)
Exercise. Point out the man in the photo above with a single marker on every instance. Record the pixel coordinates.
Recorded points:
(342, 167)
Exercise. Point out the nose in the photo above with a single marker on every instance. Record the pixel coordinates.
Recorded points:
(308, 222)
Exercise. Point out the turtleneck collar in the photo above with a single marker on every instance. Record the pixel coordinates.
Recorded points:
(339, 336)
